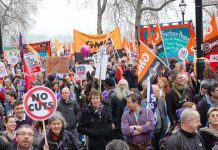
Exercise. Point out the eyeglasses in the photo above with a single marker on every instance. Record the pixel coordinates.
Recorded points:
(214, 115)
(25, 134)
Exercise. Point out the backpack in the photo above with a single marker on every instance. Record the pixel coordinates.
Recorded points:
(163, 141)
(105, 94)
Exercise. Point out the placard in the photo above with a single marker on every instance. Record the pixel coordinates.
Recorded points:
(57, 64)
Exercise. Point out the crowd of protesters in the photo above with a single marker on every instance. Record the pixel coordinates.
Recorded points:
(94, 115)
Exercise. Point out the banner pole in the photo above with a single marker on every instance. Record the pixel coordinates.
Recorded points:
(46, 141)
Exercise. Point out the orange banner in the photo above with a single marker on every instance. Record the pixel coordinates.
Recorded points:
(95, 41)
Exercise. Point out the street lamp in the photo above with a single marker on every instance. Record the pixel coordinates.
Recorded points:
(182, 6)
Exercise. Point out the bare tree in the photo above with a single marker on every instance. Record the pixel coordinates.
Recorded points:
(101, 9)
(16, 15)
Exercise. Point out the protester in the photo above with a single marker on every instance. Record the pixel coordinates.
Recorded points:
(118, 103)
(176, 96)
(210, 134)
(7, 85)
(24, 138)
(210, 100)
(130, 75)
(10, 125)
(5, 142)
(187, 137)
(137, 124)
(109, 85)
(96, 123)
(39, 132)
(11, 97)
(120, 69)
(70, 109)
(163, 84)
(203, 91)
(20, 115)
(117, 145)
(59, 138)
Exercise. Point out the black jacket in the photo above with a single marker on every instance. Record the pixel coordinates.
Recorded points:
(209, 137)
(97, 126)
(71, 112)
(203, 107)
(117, 108)
(185, 141)
(174, 102)
(67, 142)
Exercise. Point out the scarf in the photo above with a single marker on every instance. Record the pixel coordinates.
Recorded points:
(176, 90)
(54, 137)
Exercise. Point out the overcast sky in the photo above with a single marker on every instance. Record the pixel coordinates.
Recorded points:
(55, 17)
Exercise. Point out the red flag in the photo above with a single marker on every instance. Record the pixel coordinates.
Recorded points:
(29, 75)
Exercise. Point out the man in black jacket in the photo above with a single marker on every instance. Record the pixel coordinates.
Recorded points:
(176, 96)
(70, 109)
(187, 137)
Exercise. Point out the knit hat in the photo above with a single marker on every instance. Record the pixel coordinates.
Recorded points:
(109, 81)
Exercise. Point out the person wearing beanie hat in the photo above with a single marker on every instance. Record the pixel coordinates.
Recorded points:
(109, 85)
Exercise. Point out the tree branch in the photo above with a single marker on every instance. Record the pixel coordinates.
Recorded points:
(157, 9)
(103, 6)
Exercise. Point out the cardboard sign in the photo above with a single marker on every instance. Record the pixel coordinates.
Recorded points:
(13, 60)
(101, 67)
(32, 62)
(81, 72)
(3, 71)
(40, 103)
(183, 53)
(57, 64)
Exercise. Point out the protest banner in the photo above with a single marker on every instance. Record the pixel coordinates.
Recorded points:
(3, 71)
(94, 42)
(32, 62)
(42, 48)
(80, 72)
(175, 36)
(57, 64)
(12, 60)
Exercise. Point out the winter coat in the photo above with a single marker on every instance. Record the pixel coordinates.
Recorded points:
(183, 140)
(117, 108)
(203, 107)
(209, 136)
(97, 125)
(67, 142)
(71, 112)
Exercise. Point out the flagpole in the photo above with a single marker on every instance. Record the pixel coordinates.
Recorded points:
(163, 45)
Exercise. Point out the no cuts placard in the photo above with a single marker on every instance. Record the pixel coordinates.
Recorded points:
(40, 103)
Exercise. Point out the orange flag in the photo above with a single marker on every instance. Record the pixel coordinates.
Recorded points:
(150, 40)
(211, 36)
(57, 46)
(192, 42)
(148, 64)
(212, 30)
(134, 46)
(126, 46)
(31, 49)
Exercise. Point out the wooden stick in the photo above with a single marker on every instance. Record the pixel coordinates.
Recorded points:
(46, 141)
